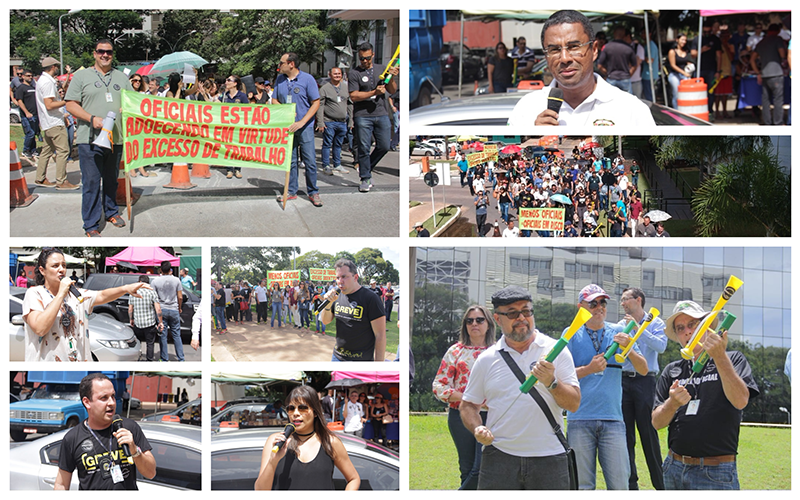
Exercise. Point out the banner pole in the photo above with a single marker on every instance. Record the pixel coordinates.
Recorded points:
(286, 188)
(128, 196)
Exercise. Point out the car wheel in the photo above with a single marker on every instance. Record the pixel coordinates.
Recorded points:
(72, 422)
(18, 436)
(424, 97)
(15, 119)
(427, 153)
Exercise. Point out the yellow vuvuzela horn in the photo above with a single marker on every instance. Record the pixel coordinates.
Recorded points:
(651, 315)
(734, 284)
(395, 56)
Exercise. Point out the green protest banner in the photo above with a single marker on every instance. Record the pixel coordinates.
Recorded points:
(283, 278)
(315, 274)
(164, 130)
(544, 219)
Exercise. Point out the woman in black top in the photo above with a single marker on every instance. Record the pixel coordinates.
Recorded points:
(307, 459)
(378, 410)
(678, 57)
(500, 70)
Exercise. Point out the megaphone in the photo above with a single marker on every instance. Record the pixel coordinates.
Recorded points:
(105, 138)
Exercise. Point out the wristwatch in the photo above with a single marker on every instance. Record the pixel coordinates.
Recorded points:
(138, 452)
(553, 385)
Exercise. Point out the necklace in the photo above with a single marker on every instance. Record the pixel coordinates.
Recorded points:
(304, 435)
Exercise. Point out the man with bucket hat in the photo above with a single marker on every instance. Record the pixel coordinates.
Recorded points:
(703, 412)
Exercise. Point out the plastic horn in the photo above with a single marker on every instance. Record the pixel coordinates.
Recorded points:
(651, 315)
(733, 284)
(391, 61)
(612, 349)
(582, 317)
(389, 77)
(723, 327)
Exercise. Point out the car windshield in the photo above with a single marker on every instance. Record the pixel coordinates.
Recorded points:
(56, 392)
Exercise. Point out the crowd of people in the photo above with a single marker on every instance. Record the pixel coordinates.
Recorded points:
(66, 111)
(591, 190)
(606, 399)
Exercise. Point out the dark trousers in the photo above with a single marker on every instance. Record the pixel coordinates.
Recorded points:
(261, 312)
(150, 334)
(469, 450)
(480, 222)
(638, 394)
(388, 305)
(99, 170)
(501, 471)
(772, 89)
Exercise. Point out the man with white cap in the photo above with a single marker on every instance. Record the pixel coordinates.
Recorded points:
(421, 231)
(51, 122)
(597, 428)
(704, 417)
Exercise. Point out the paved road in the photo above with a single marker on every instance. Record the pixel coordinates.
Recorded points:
(226, 207)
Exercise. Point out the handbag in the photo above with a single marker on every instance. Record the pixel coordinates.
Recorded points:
(572, 463)
(387, 419)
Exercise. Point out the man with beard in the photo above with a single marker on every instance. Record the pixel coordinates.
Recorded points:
(521, 450)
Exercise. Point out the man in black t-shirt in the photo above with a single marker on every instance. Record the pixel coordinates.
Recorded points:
(703, 412)
(97, 451)
(25, 94)
(360, 317)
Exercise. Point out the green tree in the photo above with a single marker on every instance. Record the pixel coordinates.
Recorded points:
(705, 151)
(250, 263)
(372, 265)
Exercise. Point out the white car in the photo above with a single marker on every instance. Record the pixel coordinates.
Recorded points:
(422, 149)
(109, 339)
(176, 448)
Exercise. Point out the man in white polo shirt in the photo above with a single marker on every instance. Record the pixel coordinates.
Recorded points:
(51, 122)
(521, 451)
(570, 48)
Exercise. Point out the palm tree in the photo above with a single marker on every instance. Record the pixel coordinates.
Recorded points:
(705, 151)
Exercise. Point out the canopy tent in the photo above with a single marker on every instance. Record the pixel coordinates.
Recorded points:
(246, 377)
(369, 377)
(73, 261)
(143, 256)
(189, 375)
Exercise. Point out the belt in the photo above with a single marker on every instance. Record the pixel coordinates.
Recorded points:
(343, 120)
(710, 461)
(636, 374)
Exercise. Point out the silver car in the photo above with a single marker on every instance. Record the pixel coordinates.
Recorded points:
(236, 461)
(176, 448)
(109, 339)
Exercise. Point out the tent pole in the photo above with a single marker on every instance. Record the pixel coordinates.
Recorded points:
(650, 56)
(663, 76)
(461, 56)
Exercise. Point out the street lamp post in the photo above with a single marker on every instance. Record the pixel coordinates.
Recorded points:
(60, 43)
(788, 415)
(171, 47)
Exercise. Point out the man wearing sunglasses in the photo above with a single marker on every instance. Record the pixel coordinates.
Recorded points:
(597, 427)
(703, 415)
(94, 92)
(521, 451)
(370, 111)
(570, 50)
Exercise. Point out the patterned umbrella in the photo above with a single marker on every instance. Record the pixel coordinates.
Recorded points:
(658, 215)
(176, 61)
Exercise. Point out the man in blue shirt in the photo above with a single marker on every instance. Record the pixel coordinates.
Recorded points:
(597, 428)
(297, 87)
(639, 391)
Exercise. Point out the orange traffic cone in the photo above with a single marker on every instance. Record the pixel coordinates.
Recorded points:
(201, 170)
(180, 177)
(20, 196)
(122, 196)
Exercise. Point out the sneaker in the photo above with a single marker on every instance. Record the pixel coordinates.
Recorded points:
(67, 186)
(238, 174)
(340, 169)
(94, 233)
(327, 170)
(229, 175)
(315, 200)
(45, 183)
(365, 186)
(289, 197)
(116, 221)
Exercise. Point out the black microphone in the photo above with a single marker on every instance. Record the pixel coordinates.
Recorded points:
(287, 431)
(77, 293)
(116, 424)
(325, 303)
(555, 99)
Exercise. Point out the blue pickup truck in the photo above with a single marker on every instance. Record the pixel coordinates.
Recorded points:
(55, 405)
(425, 47)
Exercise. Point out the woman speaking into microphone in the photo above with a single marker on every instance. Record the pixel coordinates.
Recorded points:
(306, 459)
(56, 319)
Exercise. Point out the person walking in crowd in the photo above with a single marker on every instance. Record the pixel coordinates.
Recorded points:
(333, 120)
(145, 314)
(500, 69)
(771, 53)
(234, 93)
(219, 308)
(25, 95)
(170, 297)
(354, 414)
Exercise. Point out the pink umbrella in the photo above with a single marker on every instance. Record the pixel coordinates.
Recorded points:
(145, 70)
(478, 146)
(511, 149)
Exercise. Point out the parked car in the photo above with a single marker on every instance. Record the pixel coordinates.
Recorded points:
(236, 461)
(422, 149)
(246, 399)
(178, 412)
(118, 309)
(34, 465)
(495, 109)
(14, 115)
(109, 340)
(243, 415)
(438, 144)
(474, 67)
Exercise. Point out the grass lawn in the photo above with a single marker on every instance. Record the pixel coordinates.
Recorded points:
(412, 204)
(442, 216)
(764, 457)
(17, 135)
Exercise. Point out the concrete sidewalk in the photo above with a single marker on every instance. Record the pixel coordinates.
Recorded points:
(218, 206)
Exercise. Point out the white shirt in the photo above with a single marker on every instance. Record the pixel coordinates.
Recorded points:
(261, 293)
(511, 233)
(478, 185)
(353, 421)
(48, 118)
(753, 41)
(607, 105)
(524, 430)
(637, 75)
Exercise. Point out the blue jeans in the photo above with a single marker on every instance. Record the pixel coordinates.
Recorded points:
(172, 322)
(387, 306)
(276, 311)
(647, 91)
(469, 450)
(319, 324)
(304, 319)
(333, 136)
(674, 80)
(31, 128)
(604, 439)
(98, 165)
(621, 84)
(678, 476)
(366, 127)
(304, 146)
(219, 313)
(504, 211)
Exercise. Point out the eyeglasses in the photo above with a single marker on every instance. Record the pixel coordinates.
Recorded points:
(300, 408)
(104, 52)
(593, 304)
(573, 48)
(480, 320)
(136, 80)
(515, 314)
(690, 326)
(368, 58)
(233, 80)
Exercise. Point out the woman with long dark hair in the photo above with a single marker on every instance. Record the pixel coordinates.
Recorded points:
(500, 69)
(307, 458)
(233, 93)
(477, 333)
(378, 410)
(678, 58)
(56, 320)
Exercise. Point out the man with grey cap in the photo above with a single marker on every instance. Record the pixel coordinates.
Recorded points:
(520, 450)
(51, 122)
(703, 412)
(597, 428)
